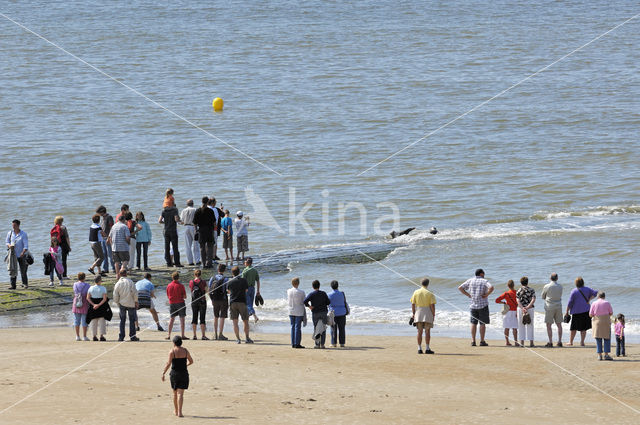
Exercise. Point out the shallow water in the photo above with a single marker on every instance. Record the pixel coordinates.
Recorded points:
(543, 178)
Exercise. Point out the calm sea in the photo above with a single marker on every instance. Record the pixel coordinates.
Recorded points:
(543, 178)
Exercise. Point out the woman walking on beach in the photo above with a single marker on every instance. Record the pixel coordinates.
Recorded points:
(526, 298)
(59, 231)
(578, 306)
(179, 360)
(56, 257)
(143, 239)
(510, 318)
(600, 313)
(80, 306)
(100, 311)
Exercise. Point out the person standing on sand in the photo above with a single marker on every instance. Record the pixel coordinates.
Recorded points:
(199, 291)
(317, 301)
(126, 296)
(238, 288)
(119, 239)
(552, 296)
(106, 223)
(478, 289)
(177, 307)
(219, 300)
(217, 212)
(80, 290)
(510, 319)
(526, 298)
(423, 313)
(340, 309)
(600, 313)
(56, 256)
(226, 224)
(190, 244)
(578, 306)
(242, 235)
(99, 312)
(17, 245)
(204, 219)
(295, 298)
(146, 294)
(253, 280)
(179, 360)
(170, 218)
(96, 239)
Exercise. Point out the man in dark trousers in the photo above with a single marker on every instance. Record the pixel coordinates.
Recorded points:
(205, 221)
(170, 217)
(317, 301)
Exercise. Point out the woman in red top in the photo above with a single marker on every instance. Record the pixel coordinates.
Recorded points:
(176, 295)
(198, 303)
(510, 319)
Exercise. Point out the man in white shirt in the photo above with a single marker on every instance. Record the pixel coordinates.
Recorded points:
(296, 297)
(192, 246)
(126, 296)
(552, 296)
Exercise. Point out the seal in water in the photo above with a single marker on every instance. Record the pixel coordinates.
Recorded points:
(395, 234)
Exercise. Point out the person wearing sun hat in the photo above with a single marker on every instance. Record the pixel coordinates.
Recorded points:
(242, 234)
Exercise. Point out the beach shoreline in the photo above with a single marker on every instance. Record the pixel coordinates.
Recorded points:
(374, 379)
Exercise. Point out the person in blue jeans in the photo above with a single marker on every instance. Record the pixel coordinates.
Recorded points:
(340, 310)
(295, 298)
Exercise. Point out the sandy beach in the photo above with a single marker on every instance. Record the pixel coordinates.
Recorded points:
(373, 380)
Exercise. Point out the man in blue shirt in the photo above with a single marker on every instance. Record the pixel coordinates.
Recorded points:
(146, 295)
(18, 242)
(227, 231)
(340, 310)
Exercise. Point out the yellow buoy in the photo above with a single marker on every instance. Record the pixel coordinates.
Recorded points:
(217, 104)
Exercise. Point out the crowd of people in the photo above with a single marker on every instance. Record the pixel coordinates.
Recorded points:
(519, 309)
(122, 243)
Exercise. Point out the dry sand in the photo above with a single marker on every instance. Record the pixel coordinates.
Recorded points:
(374, 380)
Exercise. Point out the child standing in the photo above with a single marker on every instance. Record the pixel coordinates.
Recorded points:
(242, 234)
(619, 329)
(227, 230)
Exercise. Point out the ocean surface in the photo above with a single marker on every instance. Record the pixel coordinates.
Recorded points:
(543, 178)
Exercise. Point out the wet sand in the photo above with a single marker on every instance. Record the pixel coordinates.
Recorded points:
(373, 380)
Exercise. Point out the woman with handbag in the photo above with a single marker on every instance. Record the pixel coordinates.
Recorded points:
(578, 307)
(80, 306)
(340, 309)
(509, 303)
(526, 298)
(100, 311)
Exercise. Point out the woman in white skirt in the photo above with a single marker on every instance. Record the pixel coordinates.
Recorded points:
(526, 298)
(510, 318)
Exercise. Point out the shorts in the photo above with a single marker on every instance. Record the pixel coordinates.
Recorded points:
(510, 320)
(480, 315)
(239, 309)
(199, 310)
(423, 325)
(178, 309)
(220, 308)
(227, 243)
(96, 247)
(243, 243)
(553, 314)
(179, 380)
(120, 256)
(152, 305)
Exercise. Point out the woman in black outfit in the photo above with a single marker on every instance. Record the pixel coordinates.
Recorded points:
(179, 359)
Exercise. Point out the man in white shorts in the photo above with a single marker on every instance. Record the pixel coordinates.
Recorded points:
(552, 296)
(423, 309)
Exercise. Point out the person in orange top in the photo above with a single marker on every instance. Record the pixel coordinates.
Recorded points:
(510, 320)
(169, 200)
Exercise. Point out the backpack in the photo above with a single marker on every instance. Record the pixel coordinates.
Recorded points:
(197, 294)
(219, 290)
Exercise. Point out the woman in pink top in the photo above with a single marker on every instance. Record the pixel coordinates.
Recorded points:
(80, 289)
(600, 313)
